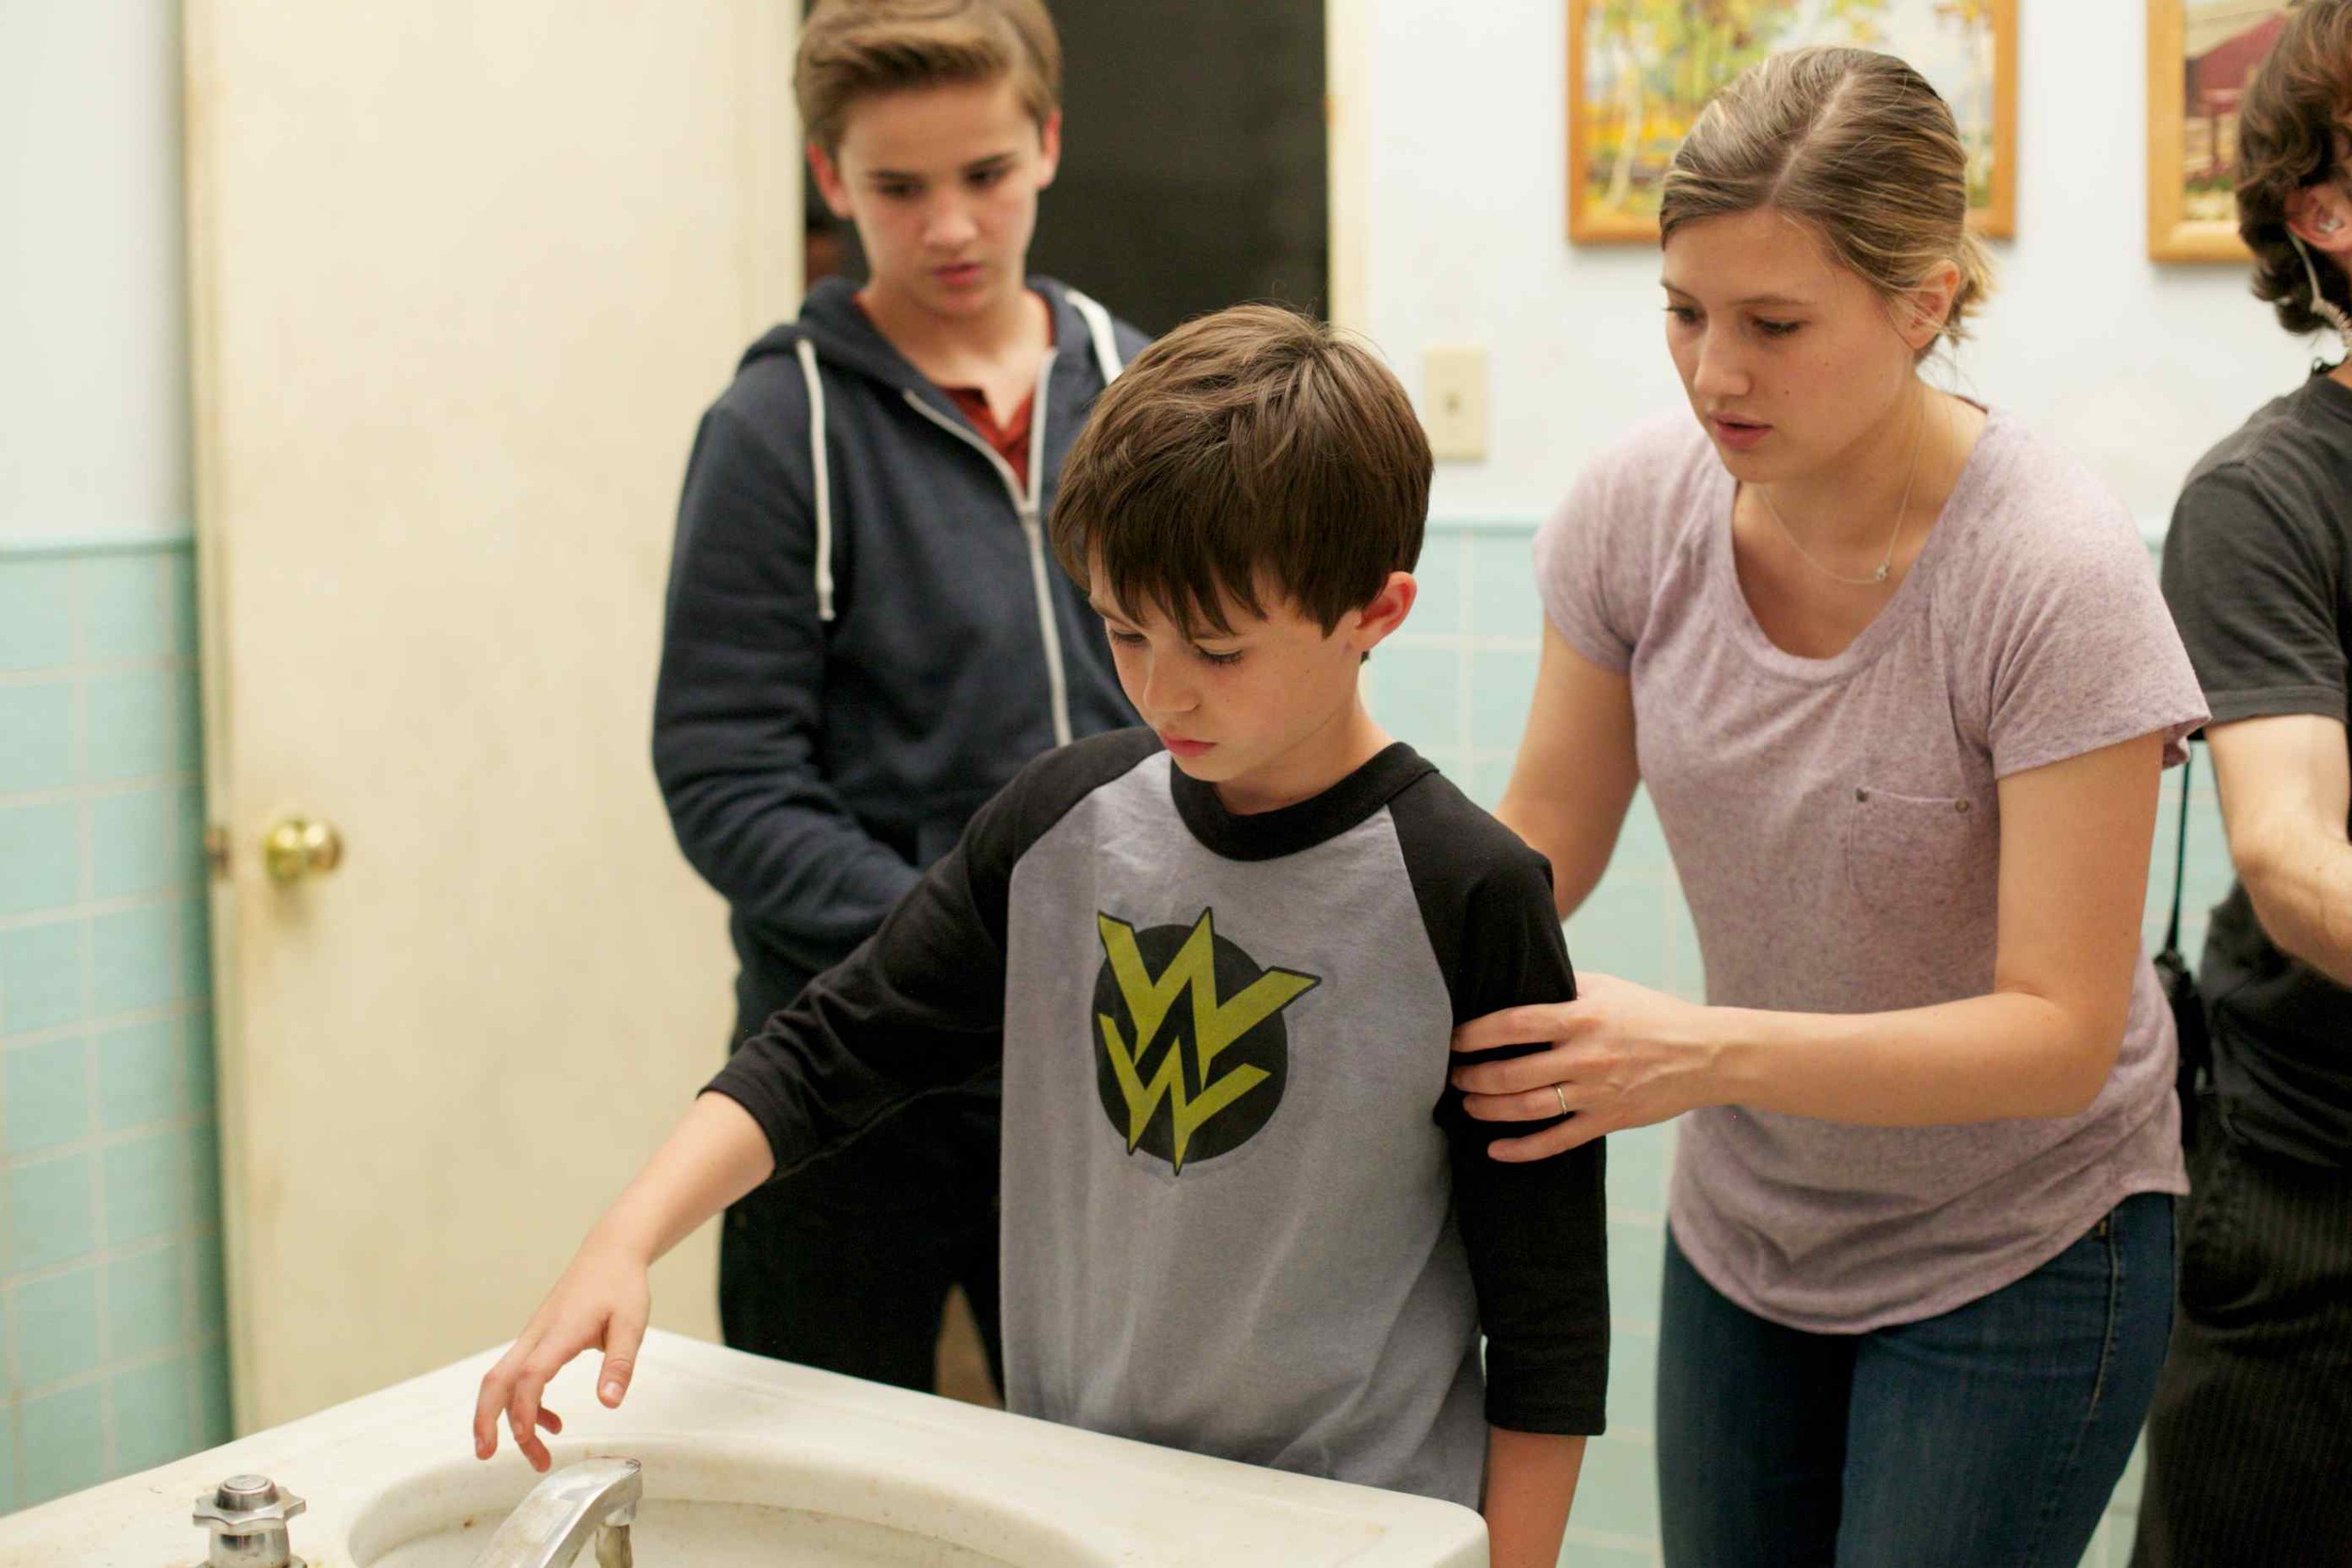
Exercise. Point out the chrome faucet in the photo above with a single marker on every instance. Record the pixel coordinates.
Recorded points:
(595, 1498)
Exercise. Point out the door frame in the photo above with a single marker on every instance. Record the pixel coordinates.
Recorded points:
(1347, 152)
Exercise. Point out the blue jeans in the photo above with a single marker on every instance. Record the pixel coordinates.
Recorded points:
(1988, 1437)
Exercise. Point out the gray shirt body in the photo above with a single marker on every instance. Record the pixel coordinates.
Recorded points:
(1243, 1214)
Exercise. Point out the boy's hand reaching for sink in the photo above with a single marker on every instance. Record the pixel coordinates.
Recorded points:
(601, 1302)
(717, 1154)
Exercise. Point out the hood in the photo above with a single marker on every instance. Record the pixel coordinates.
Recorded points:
(847, 339)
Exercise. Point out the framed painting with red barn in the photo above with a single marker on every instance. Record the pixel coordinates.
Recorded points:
(2201, 54)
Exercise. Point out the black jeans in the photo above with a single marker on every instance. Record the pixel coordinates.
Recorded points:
(2249, 1445)
(846, 1265)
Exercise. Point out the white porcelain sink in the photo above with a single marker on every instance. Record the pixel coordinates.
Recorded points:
(754, 1461)
(681, 1533)
(712, 1505)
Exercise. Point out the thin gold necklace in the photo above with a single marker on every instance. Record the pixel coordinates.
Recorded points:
(1886, 562)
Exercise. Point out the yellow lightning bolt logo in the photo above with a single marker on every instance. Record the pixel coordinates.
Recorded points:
(1216, 1024)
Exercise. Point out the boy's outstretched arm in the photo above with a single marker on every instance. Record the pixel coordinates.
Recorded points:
(1531, 1480)
(917, 1008)
(715, 1156)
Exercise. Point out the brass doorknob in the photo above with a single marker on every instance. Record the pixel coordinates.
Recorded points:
(298, 846)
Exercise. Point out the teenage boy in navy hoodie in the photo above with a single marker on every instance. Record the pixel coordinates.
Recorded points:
(1219, 965)
(867, 635)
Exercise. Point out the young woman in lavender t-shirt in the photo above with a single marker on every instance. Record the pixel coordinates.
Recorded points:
(1901, 685)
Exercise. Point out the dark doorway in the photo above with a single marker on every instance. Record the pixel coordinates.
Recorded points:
(1193, 164)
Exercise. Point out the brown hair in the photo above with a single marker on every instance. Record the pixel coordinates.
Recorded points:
(2290, 138)
(853, 49)
(1249, 449)
(1855, 144)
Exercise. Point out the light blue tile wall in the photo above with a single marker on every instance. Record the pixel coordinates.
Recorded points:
(1455, 683)
(111, 1320)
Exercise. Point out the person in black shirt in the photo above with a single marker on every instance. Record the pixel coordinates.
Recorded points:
(2250, 1437)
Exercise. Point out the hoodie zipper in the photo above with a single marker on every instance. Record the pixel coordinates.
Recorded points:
(1032, 528)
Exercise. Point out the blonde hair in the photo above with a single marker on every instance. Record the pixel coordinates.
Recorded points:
(853, 49)
(1860, 149)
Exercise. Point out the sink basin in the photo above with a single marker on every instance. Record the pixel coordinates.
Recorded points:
(682, 1533)
(714, 1504)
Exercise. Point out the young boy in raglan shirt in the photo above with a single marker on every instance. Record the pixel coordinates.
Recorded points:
(1219, 961)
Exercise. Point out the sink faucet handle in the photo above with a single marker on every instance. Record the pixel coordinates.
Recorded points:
(246, 1515)
(593, 1499)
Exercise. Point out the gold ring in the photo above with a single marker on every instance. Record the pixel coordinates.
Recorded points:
(1561, 1094)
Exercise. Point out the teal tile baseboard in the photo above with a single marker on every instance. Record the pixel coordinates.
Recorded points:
(111, 1311)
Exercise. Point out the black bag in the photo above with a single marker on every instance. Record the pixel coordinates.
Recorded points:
(2180, 986)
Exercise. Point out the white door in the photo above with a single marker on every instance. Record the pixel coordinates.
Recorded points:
(463, 277)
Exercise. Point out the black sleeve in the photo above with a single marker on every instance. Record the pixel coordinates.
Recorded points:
(1536, 1233)
(2254, 591)
(740, 704)
(919, 1007)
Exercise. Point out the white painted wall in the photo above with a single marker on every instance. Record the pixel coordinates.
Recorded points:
(2134, 368)
(93, 318)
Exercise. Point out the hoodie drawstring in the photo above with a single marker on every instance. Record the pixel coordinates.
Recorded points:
(1106, 359)
(823, 486)
(1099, 328)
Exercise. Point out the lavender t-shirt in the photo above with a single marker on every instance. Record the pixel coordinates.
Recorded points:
(1836, 829)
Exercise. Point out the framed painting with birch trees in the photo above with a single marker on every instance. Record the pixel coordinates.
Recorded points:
(1639, 71)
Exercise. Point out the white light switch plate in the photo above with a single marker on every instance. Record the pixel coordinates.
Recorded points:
(1453, 402)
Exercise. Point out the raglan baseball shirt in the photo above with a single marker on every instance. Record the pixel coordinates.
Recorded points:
(1244, 1213)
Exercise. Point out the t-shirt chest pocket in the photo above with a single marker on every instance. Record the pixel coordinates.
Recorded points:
(1908, 852)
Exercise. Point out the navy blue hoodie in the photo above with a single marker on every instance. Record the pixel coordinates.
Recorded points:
(851, 668)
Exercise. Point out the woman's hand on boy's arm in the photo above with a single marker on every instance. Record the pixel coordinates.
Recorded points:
(1622, 1055)
(717, 1154)
(1531, 1480)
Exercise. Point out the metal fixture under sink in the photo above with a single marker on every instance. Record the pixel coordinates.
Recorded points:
(246, 1515)
(595, 1498)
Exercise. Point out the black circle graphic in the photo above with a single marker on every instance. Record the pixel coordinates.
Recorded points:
(1266, 1046)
